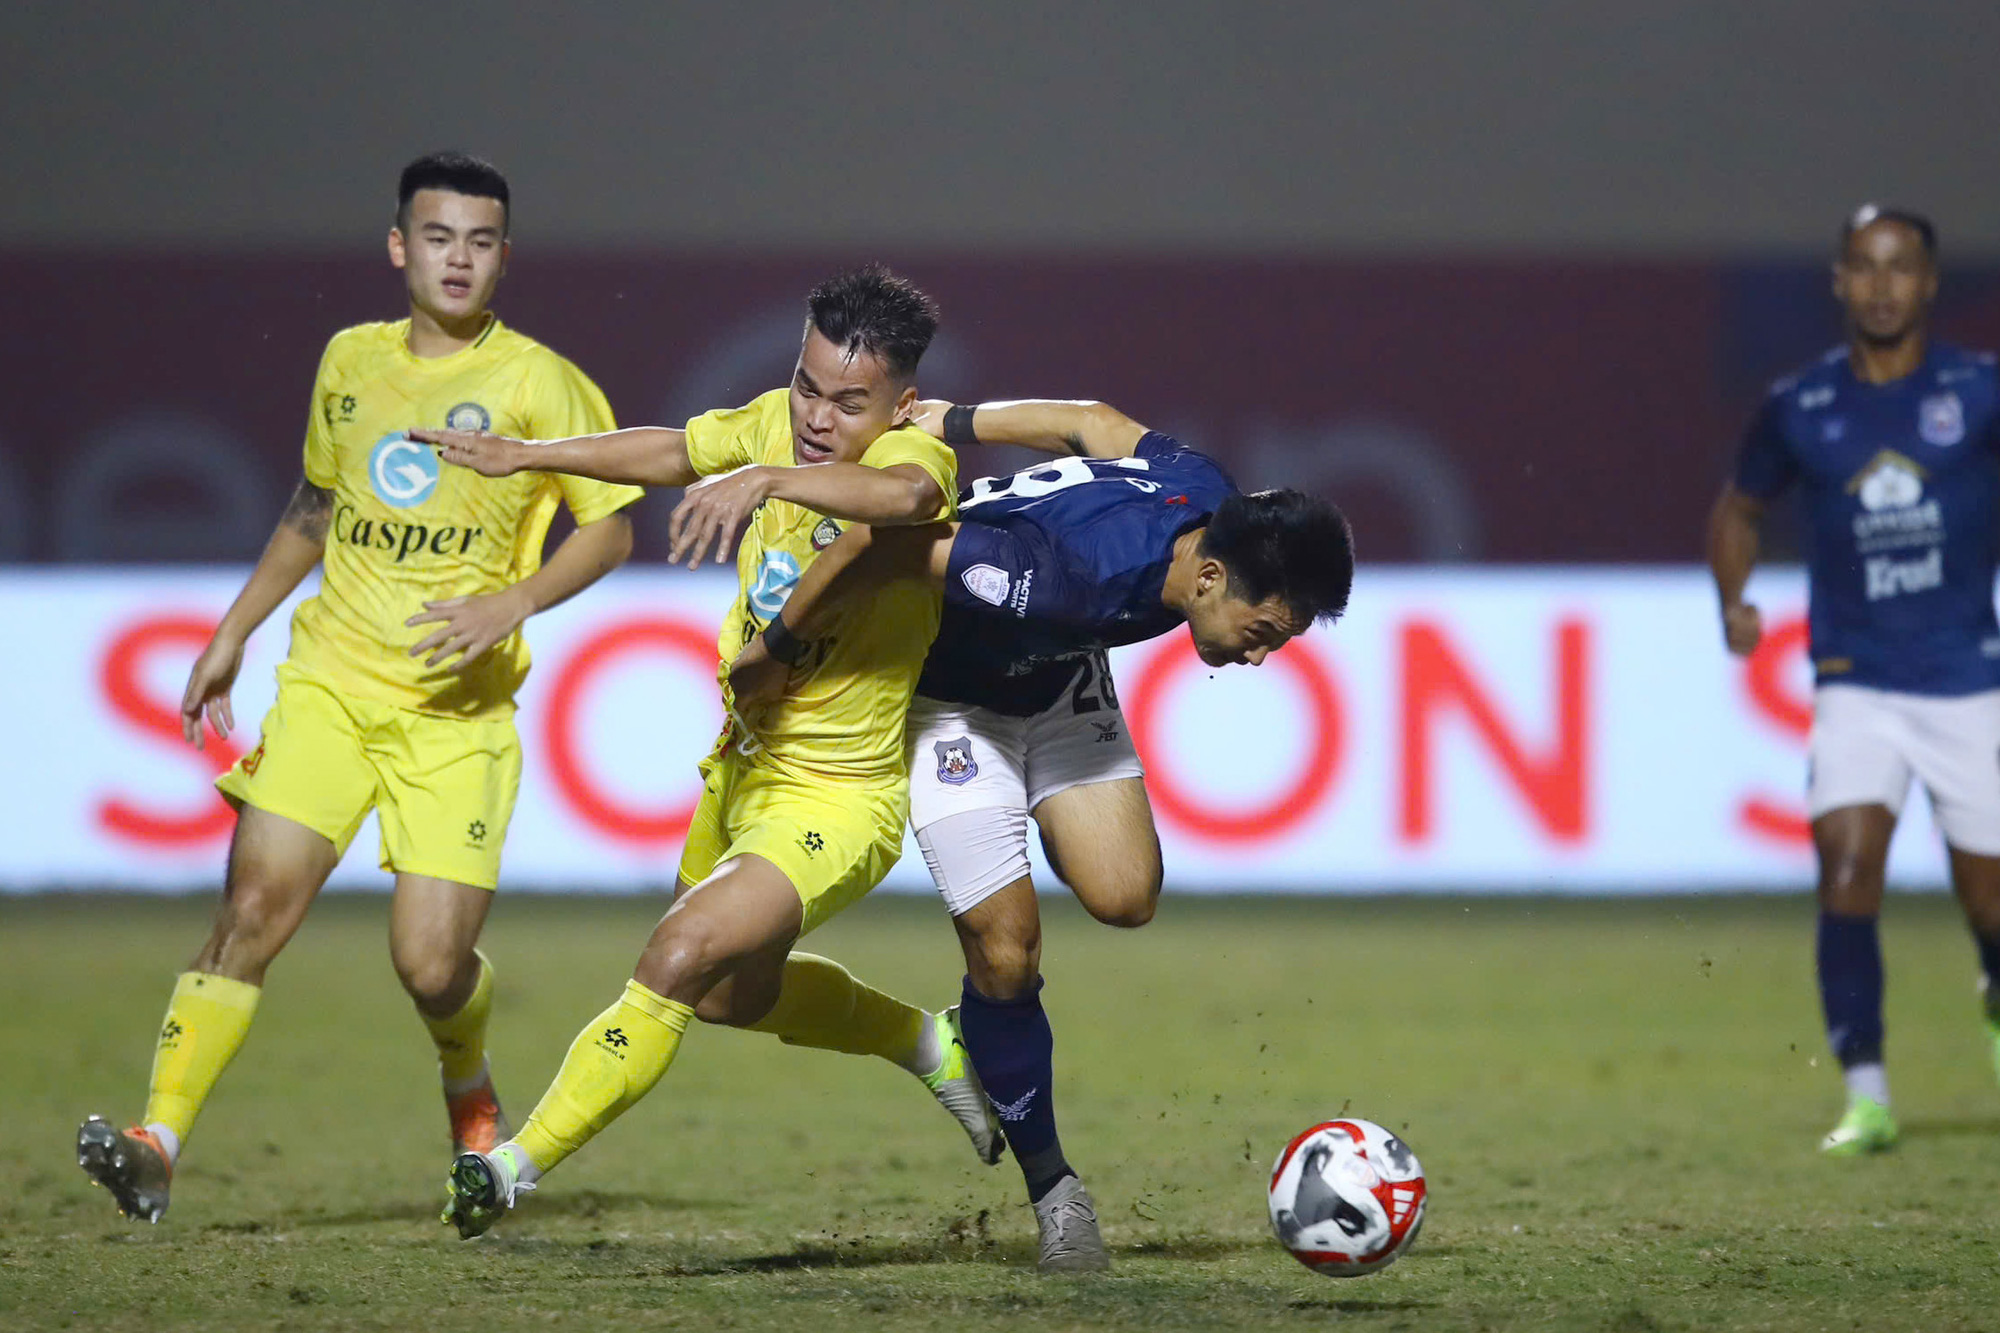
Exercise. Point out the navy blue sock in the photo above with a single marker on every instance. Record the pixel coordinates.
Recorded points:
(1014, 1052)
(1850, 987)
(1989, 963)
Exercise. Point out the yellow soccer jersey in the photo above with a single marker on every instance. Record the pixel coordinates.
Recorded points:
(842, 720)
(406, 531)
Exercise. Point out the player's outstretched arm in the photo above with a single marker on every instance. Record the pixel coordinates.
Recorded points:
(716, 508)
(1054, 426)
(860, 562)
(641, 456)
(295, 547)
(1734, 532)
(471, 626)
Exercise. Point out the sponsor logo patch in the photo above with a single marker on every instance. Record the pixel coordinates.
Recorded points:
(402, 472)
(774, 583)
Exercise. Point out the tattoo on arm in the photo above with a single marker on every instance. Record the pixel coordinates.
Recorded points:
(1074, 439)
(310, 512)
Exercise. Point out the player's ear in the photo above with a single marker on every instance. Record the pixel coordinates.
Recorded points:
(398, 255)
(506, 253)
(906, 407)
(1211, 576)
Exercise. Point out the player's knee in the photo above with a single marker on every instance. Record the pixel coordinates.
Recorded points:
(1127, 901)
(1850, 885)
(683, 961)
(432, 975)
(1004, 966)
(258, 915)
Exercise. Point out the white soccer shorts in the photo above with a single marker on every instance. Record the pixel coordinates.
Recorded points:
(1867, 744)
(975, 775)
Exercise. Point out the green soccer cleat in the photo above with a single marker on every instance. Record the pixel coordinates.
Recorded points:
(957, 1089)
(482, 1188)
(129, 1163)
(1867, 1127)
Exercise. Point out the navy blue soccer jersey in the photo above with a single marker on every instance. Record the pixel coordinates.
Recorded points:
(1058, 561)
(1901, 483)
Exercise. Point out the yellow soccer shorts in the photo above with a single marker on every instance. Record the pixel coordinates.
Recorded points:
(442, 788)
(833, 843)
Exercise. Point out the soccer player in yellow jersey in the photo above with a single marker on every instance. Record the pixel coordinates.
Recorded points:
(806, 814)
(398, 694)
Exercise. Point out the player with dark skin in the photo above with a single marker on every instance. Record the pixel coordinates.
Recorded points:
(1885, 280)
(1891, 440)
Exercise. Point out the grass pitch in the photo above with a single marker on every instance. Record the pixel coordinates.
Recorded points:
(1617, 1104)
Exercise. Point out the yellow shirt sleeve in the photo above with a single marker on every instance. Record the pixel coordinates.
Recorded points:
(320, 464)
(909, 445)
(728, 438)
(566, 402)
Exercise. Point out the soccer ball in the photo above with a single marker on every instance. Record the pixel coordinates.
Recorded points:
(1347, 1197)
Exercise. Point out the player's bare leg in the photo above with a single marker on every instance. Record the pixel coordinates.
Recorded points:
(1101, 840)
(276, 868)
(1976, 881)
(1853, 849)
(746, 910)
(434, 927)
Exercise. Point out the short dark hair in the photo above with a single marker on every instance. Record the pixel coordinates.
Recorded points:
(1869, 214)
(1287, 543)
(870, 309)
(460, 173)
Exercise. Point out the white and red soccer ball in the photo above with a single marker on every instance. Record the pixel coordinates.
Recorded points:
(1347, 1197)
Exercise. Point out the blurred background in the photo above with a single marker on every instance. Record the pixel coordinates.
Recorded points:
(1506, 279)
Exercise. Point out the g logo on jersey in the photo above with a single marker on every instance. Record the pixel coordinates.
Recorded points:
(402, 472)
(775, 578)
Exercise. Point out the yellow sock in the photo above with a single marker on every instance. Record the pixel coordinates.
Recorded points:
(206, 1022)
(461, 1037)
(611, 1064)
(822, 1004)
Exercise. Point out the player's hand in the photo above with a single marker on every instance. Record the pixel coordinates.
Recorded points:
(715, 509)
(469, 625)
(1742, 628)
(208, 690)
(929, 417)
(756, 680)
(488, 455)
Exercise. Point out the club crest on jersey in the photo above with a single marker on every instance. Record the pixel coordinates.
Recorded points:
(775, 578)
(825, 534)
(1941, 419)
(402, 472)
(468, 416)
(988, 583)
(954, 760)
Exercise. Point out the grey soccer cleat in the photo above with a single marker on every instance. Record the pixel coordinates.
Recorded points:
(129, 1163)
(1070, 1239)
(956, 1086)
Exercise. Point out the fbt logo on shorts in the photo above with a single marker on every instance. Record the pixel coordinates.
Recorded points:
(402, 472)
